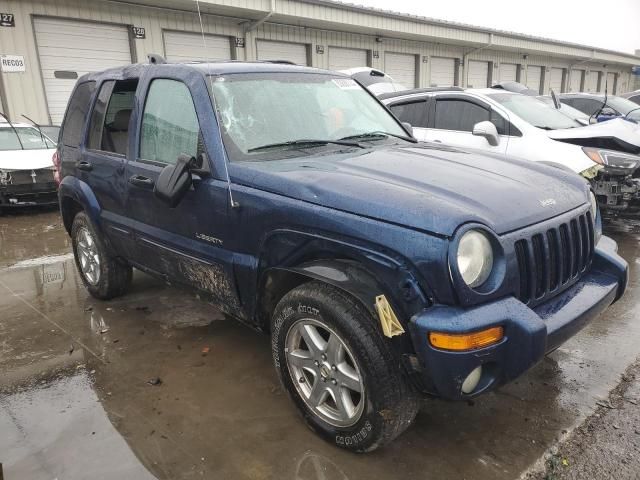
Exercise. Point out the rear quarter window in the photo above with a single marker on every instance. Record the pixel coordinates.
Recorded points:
(77, 110)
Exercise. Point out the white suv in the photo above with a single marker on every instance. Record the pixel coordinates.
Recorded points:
(522, 126)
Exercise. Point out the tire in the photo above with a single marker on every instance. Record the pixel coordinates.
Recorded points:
(363, 421)
(107, 276)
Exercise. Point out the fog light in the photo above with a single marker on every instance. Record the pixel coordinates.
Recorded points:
(466, 341)
(471, 382)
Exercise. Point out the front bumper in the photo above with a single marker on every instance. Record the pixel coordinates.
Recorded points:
(24, 195)
(529, 333)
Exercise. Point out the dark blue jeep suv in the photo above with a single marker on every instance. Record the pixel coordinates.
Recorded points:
(382, 268)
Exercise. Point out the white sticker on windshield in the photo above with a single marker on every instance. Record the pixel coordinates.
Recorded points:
(346, 83)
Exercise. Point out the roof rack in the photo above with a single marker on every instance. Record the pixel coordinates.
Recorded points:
(156, 59)
(420, 90)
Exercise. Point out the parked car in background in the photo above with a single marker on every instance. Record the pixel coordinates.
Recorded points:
(290, 197)
(515, 125)
(633, 96)
(26, 167)
(376, 81)
(573, 113)
(592, 103)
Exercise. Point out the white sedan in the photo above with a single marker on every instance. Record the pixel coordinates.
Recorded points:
(525, 127)
(26, 166)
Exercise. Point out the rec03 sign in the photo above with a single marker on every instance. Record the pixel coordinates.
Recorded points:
(12, 63)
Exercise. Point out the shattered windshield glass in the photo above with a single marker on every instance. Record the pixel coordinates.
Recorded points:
(267, 109)
(29, 139)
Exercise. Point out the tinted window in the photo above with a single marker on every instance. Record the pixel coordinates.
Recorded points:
(635, 98)
(585, 105)
(414, 112)
(459, 115)
(109, 128)
(500, 123)
(76, 113)
(169, 123)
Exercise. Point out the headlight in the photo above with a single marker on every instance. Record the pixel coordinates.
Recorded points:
(612, 158)
(475, 258)
(594, 206)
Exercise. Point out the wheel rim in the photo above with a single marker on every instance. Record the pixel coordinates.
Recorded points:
(88, 257)
(325, 372)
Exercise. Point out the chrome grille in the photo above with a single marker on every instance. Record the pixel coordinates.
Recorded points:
(551, 260)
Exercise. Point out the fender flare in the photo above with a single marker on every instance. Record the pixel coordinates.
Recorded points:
(80, 192)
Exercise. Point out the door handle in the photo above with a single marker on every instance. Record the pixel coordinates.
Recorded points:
(437, 141)
(140, 181)
(86, 166)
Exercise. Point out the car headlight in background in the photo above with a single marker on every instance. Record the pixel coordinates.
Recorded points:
(474, 258)
(612, 158)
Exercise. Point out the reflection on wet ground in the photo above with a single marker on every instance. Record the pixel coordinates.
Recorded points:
(77, 398)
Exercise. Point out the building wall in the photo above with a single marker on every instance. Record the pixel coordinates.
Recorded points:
(24, 92)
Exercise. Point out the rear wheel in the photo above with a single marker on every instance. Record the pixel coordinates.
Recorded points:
(104, 275)
(339, 369)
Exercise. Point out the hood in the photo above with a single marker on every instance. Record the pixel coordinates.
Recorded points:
(26, 159)
(616, 134)
(424, 186)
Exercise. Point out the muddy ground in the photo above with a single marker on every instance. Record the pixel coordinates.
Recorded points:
(80, 396)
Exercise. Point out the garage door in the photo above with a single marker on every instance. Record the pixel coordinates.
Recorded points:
(478, 74)
(555, 80)
(534, 77)
(611, 83)
(343, 58)
(576, 80)
(592, 81)
(402, 67)
(508, 72)
(443, 72)
(68, 49)
(188, 46)
(293, 52)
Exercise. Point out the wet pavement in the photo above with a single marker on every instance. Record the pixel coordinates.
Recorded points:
(77, 398)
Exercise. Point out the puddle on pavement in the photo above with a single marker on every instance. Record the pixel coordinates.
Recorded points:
(73, 366)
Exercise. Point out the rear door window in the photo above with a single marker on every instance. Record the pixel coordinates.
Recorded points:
(109, 128)
(73, 125)
(414, 113)
(460, 115)
(169, 123)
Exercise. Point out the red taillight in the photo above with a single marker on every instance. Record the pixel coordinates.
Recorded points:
(56, 165)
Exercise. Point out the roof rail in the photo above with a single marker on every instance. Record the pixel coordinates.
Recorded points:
(156, 59)
(420, 90)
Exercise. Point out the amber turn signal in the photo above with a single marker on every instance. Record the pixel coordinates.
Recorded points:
(466, 341)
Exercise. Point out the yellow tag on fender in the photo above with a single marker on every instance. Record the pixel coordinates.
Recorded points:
(388, 320)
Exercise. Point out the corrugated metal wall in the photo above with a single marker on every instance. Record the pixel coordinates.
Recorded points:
(24, 92)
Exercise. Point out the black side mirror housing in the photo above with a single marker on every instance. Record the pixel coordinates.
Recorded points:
(174, 181)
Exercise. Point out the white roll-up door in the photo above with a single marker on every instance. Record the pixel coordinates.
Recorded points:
(68, 49)
(555, 80)
(344, 58)
(508, 72)
(478, 74)
(402, 67)
(592, 81)
(534, 77)
(576, 80)
(293, 52)
(443, 72)
(188, 46)
(611, 83)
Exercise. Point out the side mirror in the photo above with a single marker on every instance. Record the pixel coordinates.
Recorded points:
(487, 130)
(608, 112)
(407, 126)
(174, 181)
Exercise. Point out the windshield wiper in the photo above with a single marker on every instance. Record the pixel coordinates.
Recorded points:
(303, 142)
(379, 134)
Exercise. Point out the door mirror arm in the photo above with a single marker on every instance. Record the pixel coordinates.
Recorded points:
(487, 130)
